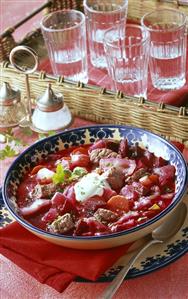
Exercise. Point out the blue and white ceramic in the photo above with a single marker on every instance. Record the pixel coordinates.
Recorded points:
(155, 257)
(85, 135)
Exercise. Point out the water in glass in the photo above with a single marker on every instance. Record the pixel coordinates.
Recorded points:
(169, 61)
(100, 17)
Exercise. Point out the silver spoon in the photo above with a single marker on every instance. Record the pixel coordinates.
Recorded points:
(159, 235)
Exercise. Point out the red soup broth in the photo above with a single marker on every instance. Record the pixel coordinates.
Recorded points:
(92, 190)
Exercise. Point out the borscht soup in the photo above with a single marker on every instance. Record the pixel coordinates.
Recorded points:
(97, 189)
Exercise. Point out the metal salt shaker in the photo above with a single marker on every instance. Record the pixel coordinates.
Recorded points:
(51, 113)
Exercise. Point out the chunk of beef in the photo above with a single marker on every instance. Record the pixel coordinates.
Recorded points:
(105, 216)
(48, 190)
(105, 143)
(43, 191)
(115, 177)
(62, 224)
(128, 166)
(137, 175)
(116, 170)
(99, 153)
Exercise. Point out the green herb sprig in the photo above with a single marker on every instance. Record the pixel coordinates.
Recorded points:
(63, 175)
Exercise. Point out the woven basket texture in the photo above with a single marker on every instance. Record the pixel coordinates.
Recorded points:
(97, 104)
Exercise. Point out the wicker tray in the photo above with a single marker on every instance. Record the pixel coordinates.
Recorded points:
(104, 106)
(97, 104)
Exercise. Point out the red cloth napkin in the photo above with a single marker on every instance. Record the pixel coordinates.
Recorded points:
(176, 98)
(51, 264)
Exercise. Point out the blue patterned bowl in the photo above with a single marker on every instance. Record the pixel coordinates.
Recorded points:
(85, 135)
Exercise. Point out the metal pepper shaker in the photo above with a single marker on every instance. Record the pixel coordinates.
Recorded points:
(12, 110)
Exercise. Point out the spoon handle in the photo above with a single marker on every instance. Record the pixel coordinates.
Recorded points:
(115, 284)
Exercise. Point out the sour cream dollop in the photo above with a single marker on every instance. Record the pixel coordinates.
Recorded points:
(90, 185)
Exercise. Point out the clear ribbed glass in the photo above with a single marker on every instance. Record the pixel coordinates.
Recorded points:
(167, 29)
(100, 16)
(127, 57)
(65, 38)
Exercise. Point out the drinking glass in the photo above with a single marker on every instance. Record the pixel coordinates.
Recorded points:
(127, 56)
(65, 38)
(167, 29)
(100, 16)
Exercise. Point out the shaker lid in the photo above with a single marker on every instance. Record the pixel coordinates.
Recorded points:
(8, 96)
(49, 101)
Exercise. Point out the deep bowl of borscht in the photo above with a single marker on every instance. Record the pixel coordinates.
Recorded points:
(96, 187)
